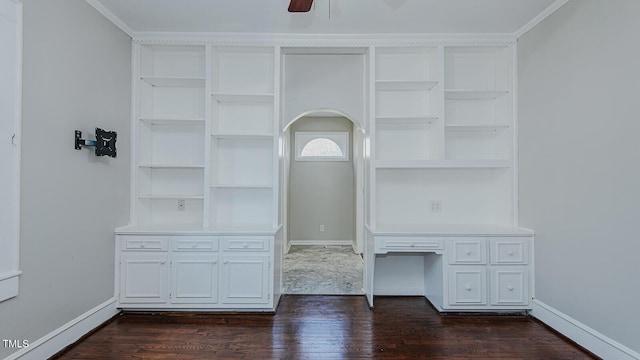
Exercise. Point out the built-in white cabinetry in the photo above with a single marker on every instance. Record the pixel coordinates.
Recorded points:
(468, 272)
(195, 272)
(442, 135)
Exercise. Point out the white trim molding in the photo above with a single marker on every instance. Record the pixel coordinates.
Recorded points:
(67, 334)
(582, 334)
(538, 19)
(321, 242)
(111, 17)
(11, 11)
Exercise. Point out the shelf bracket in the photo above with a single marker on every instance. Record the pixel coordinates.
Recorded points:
(105, 142)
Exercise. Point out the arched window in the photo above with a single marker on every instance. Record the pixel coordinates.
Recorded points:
(322, 146)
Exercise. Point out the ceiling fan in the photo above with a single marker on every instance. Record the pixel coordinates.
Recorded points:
(300, 5)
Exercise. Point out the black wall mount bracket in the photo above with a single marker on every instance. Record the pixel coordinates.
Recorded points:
(105, 142)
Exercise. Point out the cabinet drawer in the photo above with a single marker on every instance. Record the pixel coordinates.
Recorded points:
(510, 285)
(510, 251)
(195, 243)
(410, 243)
(467, 251)
(144, 243)
(246, 243)
(467, 286)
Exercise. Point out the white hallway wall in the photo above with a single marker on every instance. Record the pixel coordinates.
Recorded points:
(77, 75)
(580, 162)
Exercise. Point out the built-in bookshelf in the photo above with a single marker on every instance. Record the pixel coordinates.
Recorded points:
(205, 136)
(442, 147)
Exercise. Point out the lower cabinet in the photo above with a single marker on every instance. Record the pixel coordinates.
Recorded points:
(194, 279)
(245, 279)
(195, 272)
(144, 278)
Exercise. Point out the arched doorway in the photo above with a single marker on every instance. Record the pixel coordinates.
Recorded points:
(323, 203)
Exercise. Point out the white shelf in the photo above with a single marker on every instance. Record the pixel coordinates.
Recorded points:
(174, 122)
(171, 166)
(225, 97)
(405, 85)
(473, 94)
(465, 127)
(405, 119)
(174, 81)
(452, 229)
(243, 136)
(171, 197)
(440, 164)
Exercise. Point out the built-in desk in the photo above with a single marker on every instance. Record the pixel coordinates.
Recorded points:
(457, 267)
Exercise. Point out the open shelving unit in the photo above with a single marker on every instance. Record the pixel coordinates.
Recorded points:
(443, 134)
(205, 136)
(171, 135)
(242, 141)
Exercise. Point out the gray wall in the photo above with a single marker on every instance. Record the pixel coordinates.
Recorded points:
(321, 192)
(77, 75)
(579, 162)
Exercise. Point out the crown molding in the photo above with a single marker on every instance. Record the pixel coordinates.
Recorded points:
(111, 17)
(538, 19)
(322, 40)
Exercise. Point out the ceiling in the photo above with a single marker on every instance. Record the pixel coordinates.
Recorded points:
(325, 17)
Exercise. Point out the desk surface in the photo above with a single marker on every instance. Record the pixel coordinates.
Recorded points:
(449, 230)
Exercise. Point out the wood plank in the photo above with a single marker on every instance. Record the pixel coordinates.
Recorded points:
(300, 5)
(327, 327)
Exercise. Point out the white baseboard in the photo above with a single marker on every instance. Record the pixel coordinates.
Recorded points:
(321, 242)
(67, 334)
(580, 333)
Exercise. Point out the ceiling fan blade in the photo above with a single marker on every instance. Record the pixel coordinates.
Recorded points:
(300, 5)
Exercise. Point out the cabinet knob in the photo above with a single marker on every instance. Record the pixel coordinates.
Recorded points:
(194, 245)
(143, 245)
(245, 245)
(468, 252)
(467, 287)
(510, 252)
(162, 262)
(510, 287)
(412, 245)
(225, 262)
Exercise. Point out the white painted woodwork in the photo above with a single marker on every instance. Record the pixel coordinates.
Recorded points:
(10, 126)
(169, 270)
(144, 278)
(245, 279)
(468, 268)
(439, 163)
(194, 278)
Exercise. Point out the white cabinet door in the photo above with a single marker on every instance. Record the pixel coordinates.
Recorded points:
(467, 285)
(144, 278)
(194, 279)
(510, 286)
(245, 279)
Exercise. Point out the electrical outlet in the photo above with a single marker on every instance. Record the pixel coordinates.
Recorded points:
(436, 206)
(180, 205)
(321, 228)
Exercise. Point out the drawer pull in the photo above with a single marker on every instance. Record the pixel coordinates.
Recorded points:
(143, 245)
(510, 287)
(510, 252)
(225, 262)
(245, 245)
(194, 245)
(468, 252)
(162, 262)
(412, 245)
(467, 287)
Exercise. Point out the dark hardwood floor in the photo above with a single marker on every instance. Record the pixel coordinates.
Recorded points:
(326, 327)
